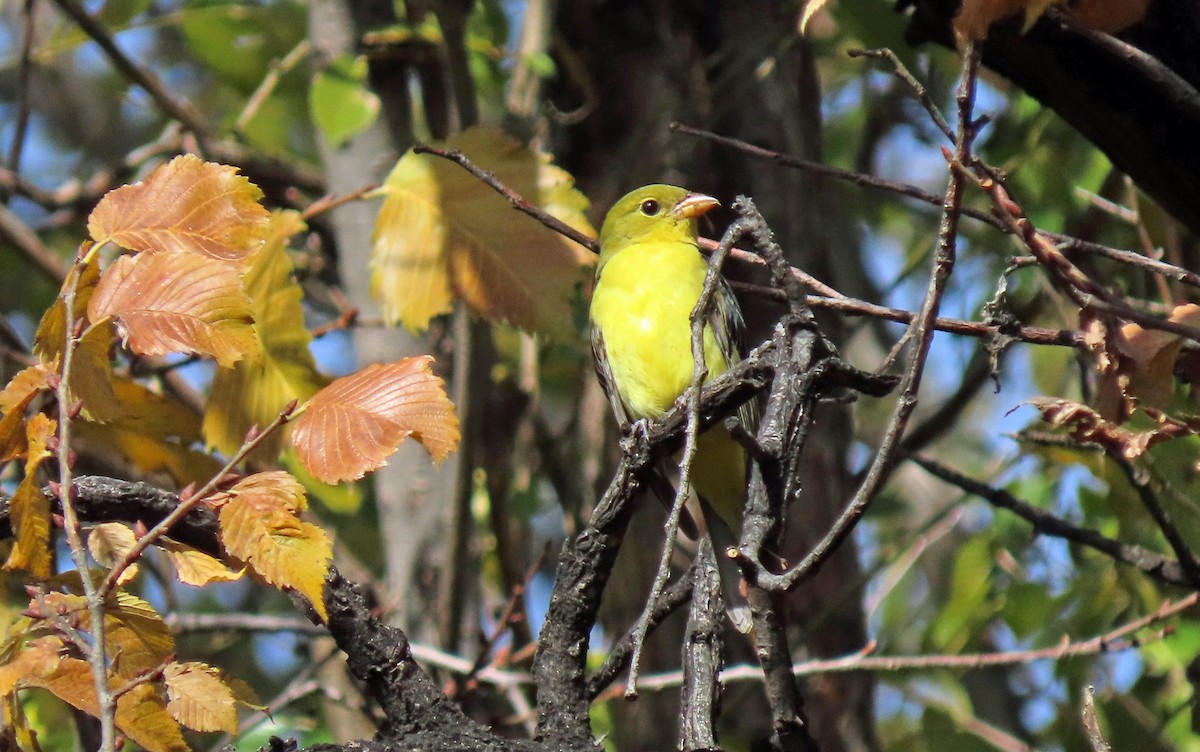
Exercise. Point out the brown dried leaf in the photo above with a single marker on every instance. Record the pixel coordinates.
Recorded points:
(353, 425)
(259, 526)
(1112, 366)
(199, 699)
(1152, 354)
(1110, 16)
(172, 303)
(975, 16)
(197, 568)
(442, 234)
(184, 206)
(1086, 425)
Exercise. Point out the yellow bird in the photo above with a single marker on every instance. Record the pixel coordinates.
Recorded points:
(649, 277)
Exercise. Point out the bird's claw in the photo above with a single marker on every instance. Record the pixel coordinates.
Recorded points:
(638, 431)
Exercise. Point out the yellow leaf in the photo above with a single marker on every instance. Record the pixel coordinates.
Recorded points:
(90, 379)
(441, 234)
(186, 206)
(177, 303)
(13, 402)
(51, 333)
(142, 714)
(196, 567)
(108, 543)
(353, 425)
(342, 498)
(27, 383)
(29, 509)
(137, 638)
(155, 414)
(253, 393)
(153, 431)
(199, 699)
(259, 526)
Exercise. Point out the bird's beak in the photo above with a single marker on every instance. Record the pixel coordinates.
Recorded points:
(695, 204)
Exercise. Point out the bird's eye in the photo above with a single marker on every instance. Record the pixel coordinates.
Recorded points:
(649, 207)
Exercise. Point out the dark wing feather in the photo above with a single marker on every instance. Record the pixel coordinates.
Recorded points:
(604, 373)
(729, 329)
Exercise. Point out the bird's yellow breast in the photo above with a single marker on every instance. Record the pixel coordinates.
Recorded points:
(641, 303)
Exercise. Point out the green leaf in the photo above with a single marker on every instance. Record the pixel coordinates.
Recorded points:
(342, 106)
(238, 41)
(969, 587)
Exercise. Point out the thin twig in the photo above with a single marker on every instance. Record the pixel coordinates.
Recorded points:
(1113, 641)
(1141, 486)
(97, 656)
(270, 81)
(23, 70)
(1150, 563)
(923, 329)
(518, 202)
(1034, 335)
(145, 79)
(325, 203)
(1064, 242)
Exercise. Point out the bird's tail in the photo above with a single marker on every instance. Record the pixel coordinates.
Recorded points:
(718, 476)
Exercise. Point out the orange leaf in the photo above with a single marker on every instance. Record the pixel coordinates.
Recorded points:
(975, 16)
(259, 526)
(353, 425)
(443, 234)
(141, 712)
(38, 658)
(168, 303)
(186, 206)
(199, 699)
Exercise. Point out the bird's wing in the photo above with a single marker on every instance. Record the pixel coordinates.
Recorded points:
(607, 382)
(729, 328)
(660, 487)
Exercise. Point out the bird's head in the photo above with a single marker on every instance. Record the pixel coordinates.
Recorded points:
(653, 213)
